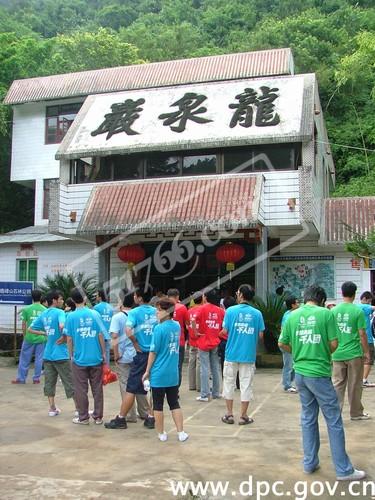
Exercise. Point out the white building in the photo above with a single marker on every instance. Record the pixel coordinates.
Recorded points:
(176, 155)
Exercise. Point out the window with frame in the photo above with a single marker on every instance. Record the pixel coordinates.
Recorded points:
(27, 270)
(58, 120)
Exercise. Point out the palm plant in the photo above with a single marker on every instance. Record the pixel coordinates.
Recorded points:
(272, 309)
(65, 282)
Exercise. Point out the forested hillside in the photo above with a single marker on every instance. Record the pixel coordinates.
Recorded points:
(334, 38)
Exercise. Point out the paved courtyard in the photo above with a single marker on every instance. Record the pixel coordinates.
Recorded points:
(43, 457)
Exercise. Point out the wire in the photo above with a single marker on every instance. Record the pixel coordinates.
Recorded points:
(346, 146)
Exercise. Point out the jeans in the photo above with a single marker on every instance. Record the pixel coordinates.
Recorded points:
(210, 359)
(27, 352)
(288, 372)
(315, 393)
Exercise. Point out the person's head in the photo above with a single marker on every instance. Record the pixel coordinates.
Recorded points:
(366, 297)
(348, 289)
(198, 298)
(43, 301)
(173, 294)
(36, 295)
(143, 294)
(101, 296)
(54, 298)
(165, 308)
(315, 294)
(229, 302)
(291, 303)
(212, 296)
(126, 299)
(245, 293)
(70, 305)
(77, 296)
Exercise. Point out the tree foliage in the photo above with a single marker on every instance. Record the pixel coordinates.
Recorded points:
(334, 38)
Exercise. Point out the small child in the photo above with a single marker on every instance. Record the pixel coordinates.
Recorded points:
(163, 367)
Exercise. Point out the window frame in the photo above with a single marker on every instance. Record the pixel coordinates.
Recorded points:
(60, 134)
(27, 260)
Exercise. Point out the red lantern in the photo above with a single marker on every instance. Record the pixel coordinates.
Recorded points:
(132, 254)
(230, 253)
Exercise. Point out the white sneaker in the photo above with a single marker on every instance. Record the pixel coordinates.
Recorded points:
(354, 476)
(76, 420)
(53, 412)
(163, 436)
(291, 390)
(364, 416)
(98, 421)
(76, 413)
(182, 436)
(203, 400)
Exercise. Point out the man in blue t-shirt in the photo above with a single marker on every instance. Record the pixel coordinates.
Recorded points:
(243, 324)
(139, 325)
(56, 356)
(87, 350)
(368, 309)
(288, 373)
(106, 312)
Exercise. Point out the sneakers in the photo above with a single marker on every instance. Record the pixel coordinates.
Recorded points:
(203, 400)
(291, 390)
(116, 423)
(16, 381)
(163, 436)
(317, 467)
(182, 436)
(53, 412)
(364, 416)
(98, 421)
(354, 476)
(366, 383)
(76, 420)
(149, 423)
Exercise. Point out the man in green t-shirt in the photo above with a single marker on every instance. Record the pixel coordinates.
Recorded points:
(32, 345)
(349, 355)
(310, 334)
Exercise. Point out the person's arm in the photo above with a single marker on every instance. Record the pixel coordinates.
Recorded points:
(69, 341)
(131, 336)
(62, 339)
(285, 347)
(364, 343)
(333, 344)
(24, 325)
(150, 362)
(114, 345)
(223, 334)
(102, 345)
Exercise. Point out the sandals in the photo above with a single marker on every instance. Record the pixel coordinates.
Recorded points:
(245, 420)
(228, 419)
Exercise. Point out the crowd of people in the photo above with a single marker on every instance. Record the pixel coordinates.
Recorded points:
(148, 336)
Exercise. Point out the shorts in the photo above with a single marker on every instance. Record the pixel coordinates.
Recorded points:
(158, 395)
(371, 355)
(53, 370)
(246, 375)
(137, 369)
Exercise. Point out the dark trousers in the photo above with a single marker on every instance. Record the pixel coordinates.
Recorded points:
(82, 375)
(180, 361)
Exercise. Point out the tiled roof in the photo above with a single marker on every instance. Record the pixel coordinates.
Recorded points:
(216, 202)
(357, 213)
(31, 234)
(160, 74)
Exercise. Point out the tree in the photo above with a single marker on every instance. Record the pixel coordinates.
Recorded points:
(64, 283)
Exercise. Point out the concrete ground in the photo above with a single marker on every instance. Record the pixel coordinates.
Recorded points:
(43, 457)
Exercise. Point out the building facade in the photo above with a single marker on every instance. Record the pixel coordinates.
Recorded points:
(181, 158)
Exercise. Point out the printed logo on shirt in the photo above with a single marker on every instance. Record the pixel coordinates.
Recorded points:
(86, 331)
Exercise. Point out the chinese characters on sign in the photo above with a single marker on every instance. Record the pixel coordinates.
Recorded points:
(250, 103)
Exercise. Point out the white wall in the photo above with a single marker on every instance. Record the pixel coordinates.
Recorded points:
(59, 256)
(278, 188)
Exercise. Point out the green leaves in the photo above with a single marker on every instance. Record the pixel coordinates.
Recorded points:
(66, 282)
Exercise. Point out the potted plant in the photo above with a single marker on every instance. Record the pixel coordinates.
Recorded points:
(272, 309)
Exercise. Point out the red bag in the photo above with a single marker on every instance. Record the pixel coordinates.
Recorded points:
(108, 375)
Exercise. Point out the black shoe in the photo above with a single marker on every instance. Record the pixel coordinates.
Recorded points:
(149, 423)
(116, 423)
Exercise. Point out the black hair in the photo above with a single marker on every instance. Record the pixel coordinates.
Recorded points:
(315, 293)
(229, 302)
(53, 295)
(213, 296)
(173, 292)
(102, 295)
(247, 292)
(166, 304)
(197, 297)
(144, 291)
(366, 296)
(127, 298)
(36, 295)
(290, 301)
(77, 296)
(70, 303)
(348, 289)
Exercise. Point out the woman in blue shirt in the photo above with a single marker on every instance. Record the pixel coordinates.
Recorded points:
(162, 365)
